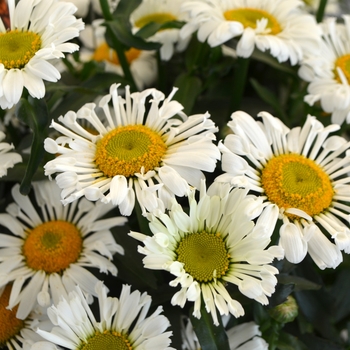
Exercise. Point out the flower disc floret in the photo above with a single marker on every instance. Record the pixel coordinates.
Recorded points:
(52, 246)
(204, 255)
(342, 63)
(18, 47)
(107, 340)
(294, 181)
(127, 150)
(10, 325)
(249, 17)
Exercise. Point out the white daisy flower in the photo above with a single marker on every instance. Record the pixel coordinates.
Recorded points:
(83, 6)
(155, 154)
(123, 323)
(215, 244)
(245, 336)
(300, 173)
(161, 11)
(46, 255)
(279, 26)
(38, 33)
(16, 333)
(7, 159)
(329, 73)
(143, 64)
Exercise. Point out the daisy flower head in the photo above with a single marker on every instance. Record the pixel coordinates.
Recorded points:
(38, 35)
(161, 11)
(245, 336)
(329, 73)
(301, 175)
(50, 247)
(7, 158)
(16, 333)
(215, 244)
(123, 323)
(152, 150)
(143, 65)
(279, 26)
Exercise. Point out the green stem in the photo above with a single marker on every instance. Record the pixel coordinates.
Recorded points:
(117, 46)
(320, 11)
(239, 83)
(161, 73)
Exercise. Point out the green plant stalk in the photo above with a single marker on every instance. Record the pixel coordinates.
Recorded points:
(118, 46)
(239, 83)
(320, 11)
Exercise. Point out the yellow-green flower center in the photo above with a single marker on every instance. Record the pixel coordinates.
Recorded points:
(204, 256)
(250, 16)
(107, 340)
(126, 149)
(10, 325)
(105, 53)
(294, 181)
(343, 63)
(155, 17)
(52, 246)
(17, 48)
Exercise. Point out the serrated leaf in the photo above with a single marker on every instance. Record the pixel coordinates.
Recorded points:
(210, 337)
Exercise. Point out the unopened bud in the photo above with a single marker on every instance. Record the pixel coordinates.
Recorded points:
(285, 312)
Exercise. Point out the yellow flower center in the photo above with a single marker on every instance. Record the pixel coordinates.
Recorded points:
(107, 340)
(294, 181)
(204, 256)
(105, 53)
(52, 246)
(155, 17)
(124, 150)
(249, 17)
(17, 48)
(343, 63)
(10, 325)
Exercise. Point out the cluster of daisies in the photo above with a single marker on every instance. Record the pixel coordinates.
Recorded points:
(140, 150)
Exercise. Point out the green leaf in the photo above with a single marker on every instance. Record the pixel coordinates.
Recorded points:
(210, 337)
(189, 89)
(281, 293)
(121, 29)
(300, 283)
(340, 291)
(125, 8)
(153, 27)
(34, 113)
(287, 341)
(266, 58)
(269, 97)
(87, 91)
